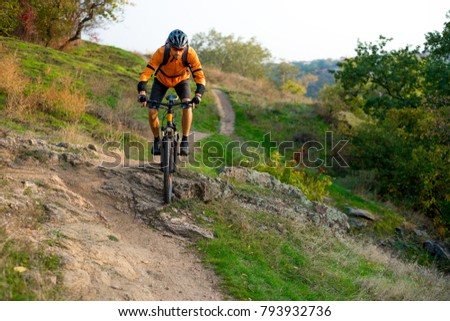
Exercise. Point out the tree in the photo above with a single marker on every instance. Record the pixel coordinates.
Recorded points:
(56, 23)
(231, 54)
(385, 79)
(92, 13)
(9, 17)
(283, 72)
(437, 71)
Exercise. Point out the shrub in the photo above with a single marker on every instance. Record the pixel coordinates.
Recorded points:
(63, 100)
(409, 151)
(312, 185)
(13, 83)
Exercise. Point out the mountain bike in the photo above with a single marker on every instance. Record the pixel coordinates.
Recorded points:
(169, 141)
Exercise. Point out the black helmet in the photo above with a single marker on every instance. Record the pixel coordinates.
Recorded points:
(178, 39)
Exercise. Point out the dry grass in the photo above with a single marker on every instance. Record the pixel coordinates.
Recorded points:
(13, 83)
(235, 82)
(261, 91)
(71, 134)
(394, 280)
(408, 281)
(61, 99)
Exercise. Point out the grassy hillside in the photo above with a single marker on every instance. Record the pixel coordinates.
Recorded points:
(88, 95)
(90, 90)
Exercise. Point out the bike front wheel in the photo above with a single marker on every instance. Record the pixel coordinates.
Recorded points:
(167, 166)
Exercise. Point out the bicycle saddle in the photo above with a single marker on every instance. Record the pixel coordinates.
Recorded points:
(172, 97)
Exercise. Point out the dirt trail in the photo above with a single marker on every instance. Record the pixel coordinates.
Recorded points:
(226, 112)
(108, 253)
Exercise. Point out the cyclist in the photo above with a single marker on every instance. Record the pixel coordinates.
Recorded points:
(170, 66)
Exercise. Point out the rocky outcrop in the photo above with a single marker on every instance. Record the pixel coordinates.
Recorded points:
(289, 202)
(137, 190)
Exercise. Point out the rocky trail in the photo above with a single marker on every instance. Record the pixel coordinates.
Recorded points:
(116, 239)
(108, 250)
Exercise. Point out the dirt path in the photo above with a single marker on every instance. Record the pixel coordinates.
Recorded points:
(226, 112)
(143, 264)
(107, 252)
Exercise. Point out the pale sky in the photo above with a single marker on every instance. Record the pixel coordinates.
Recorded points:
(291, 30)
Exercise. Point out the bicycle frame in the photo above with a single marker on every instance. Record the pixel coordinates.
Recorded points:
(169, 142)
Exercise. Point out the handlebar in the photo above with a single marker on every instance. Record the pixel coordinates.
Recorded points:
(171, 103)
(155, 103)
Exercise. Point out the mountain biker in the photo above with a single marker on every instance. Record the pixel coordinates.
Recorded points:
(170, 66)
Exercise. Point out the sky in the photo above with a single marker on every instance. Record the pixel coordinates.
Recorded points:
(292, 30)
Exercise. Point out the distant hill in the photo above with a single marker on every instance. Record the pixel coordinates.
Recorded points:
(319, 68)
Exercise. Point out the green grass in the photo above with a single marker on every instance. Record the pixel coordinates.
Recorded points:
(34, 283)
(262, 257)
(282, 120)
(205, 116)
(388, 219)
(113, 238)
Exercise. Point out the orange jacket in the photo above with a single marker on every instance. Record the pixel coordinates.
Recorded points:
(174, 71)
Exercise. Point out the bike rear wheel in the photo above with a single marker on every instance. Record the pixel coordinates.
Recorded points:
(167, 167)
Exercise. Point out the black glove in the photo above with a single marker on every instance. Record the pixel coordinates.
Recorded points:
(196, 100)
(142, 98)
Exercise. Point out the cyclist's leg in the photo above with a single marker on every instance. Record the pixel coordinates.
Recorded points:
(157, 93)
(184, 92)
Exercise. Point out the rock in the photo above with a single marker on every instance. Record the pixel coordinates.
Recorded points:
(296, 206)
(421, 233)
(329, 216)
(92, 147)
(63, 145)
(265, 180)
(28, 184)
(356, 212)
(356, 224)
(194, 185)
(181, 227)
(72, 159)
(400, 231)
(137, 191)
(436, 249)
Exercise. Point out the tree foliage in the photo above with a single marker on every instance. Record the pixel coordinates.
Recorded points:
(231, 54)
(9, 14)
(410, 152)
(320, 70)
(406, 141)
(56, 23)
(384, 79)
(437, 71)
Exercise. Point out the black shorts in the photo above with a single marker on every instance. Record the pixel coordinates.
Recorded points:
(183, 90)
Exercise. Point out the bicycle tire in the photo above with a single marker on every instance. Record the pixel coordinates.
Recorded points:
(167, 166)
(173, 164)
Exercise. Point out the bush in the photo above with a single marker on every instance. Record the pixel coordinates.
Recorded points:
(312, 185)
(410, 152)
(63, 100)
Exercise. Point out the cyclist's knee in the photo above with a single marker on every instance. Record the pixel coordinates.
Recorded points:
(153, 111)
